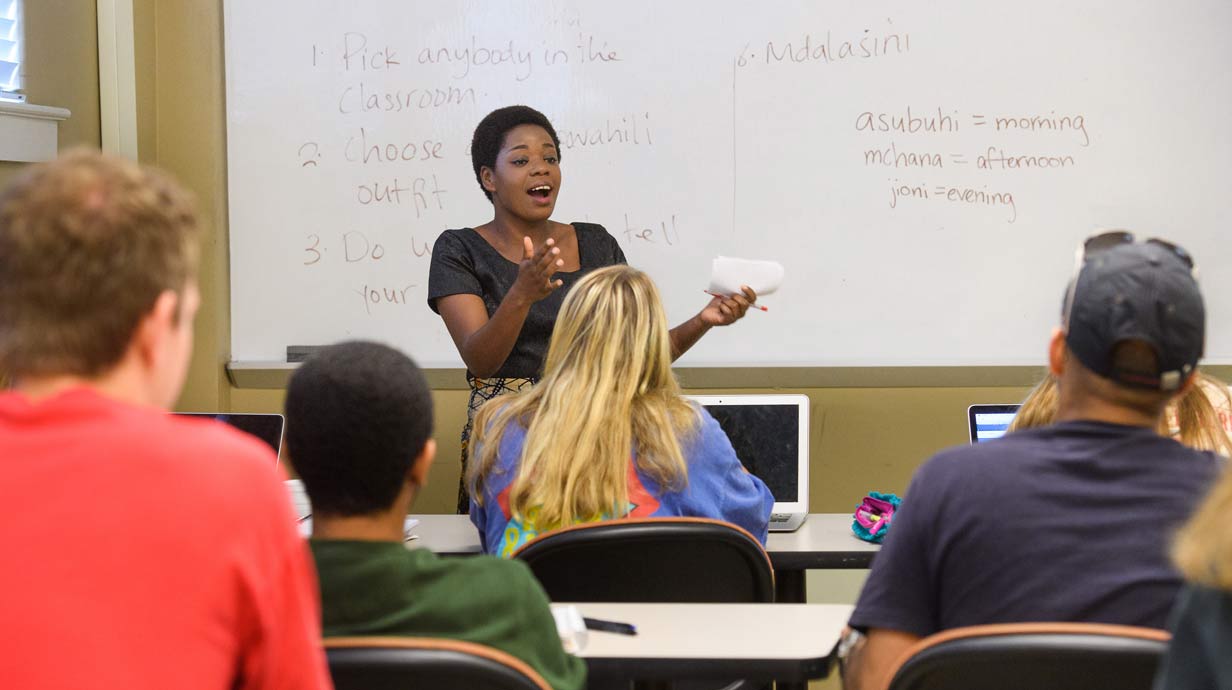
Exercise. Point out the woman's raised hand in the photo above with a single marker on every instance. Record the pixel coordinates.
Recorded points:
(535, 271)
(727, 310)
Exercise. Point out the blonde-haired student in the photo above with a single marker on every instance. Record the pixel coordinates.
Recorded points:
(606, 433)
(1198, 417)
(1199, 655)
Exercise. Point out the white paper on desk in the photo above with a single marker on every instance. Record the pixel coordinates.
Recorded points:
(729, 273)
(571, 627)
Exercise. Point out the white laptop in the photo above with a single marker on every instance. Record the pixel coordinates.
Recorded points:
(267, 427)
(987, 422)
(770, 434)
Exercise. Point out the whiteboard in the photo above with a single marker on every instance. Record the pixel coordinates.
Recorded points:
(923, 170)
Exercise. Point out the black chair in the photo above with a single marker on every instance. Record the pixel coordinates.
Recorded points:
(651, 560)
(415, 663)
(1033, 656)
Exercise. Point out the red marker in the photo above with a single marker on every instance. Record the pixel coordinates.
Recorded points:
(754, 306)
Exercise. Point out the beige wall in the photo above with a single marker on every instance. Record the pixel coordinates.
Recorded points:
(182, 128)
(61, 69)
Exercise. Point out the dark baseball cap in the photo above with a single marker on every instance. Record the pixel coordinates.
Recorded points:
(1143, 291)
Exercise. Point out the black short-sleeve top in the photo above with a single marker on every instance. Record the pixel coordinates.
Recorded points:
(464, 263)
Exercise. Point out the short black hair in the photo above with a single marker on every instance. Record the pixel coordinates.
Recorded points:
(358, 413)
(490, 135)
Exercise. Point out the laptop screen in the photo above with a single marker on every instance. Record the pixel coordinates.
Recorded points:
(987, 422)
(767, 440)
(267, 427)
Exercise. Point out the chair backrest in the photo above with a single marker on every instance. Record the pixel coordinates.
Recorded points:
(1033, 656)
(674, 559)
(410, 663)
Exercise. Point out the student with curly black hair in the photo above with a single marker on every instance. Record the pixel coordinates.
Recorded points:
(499, 285)
(359, 433)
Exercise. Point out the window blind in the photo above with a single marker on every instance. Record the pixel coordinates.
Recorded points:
(11, 31)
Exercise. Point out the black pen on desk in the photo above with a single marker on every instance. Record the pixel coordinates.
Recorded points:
(751, 306)
(610, 626)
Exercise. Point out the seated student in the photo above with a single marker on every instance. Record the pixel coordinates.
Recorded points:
(606, 433)
(144, 550)
(1198, 417)
(359, 425)
(1200, 654)
(1067, 522)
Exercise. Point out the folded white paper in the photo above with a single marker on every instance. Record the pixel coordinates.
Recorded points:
(729, 273)
(571, 627)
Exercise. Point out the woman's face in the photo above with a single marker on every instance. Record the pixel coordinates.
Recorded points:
(526, 179)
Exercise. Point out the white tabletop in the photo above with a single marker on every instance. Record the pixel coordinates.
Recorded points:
(759, 641)
(824, 541)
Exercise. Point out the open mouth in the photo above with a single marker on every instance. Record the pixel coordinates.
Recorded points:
(543, 191)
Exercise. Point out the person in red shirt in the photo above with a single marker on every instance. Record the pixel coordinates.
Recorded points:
(144, 550)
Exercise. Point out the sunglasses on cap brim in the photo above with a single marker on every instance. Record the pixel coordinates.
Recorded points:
(1104, 241)
(1115, 238)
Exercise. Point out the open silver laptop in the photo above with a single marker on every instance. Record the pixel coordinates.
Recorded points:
(267, 427)
(770, 434)
(986, 422)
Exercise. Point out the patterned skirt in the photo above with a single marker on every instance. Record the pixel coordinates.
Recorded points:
(482, 390)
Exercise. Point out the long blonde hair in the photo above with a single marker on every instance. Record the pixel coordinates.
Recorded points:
(1039, 408)
(607, 392)
(1198, 424)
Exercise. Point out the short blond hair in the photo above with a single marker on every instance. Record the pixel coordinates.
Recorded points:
(87, 244)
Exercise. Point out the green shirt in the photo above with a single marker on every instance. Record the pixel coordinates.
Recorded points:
(384, 588)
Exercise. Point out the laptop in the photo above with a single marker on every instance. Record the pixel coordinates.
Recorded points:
(987, 422)
(770, 434)
(267, 427)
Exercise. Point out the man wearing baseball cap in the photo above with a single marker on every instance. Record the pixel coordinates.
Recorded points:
(1068, 522)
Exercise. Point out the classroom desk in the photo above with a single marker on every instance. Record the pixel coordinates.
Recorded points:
(823, 542)
(791, 643)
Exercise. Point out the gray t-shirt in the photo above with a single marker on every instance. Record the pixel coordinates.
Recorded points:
(1069, 522)
(464, 263)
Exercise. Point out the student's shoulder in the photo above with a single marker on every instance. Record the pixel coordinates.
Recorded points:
(705, 427)
(512, 436)
(497, 579)
(963, 461)
(207, 438)
(219, 462)
(1201, 466)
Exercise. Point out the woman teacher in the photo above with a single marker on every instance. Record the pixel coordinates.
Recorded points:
(499, 285)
